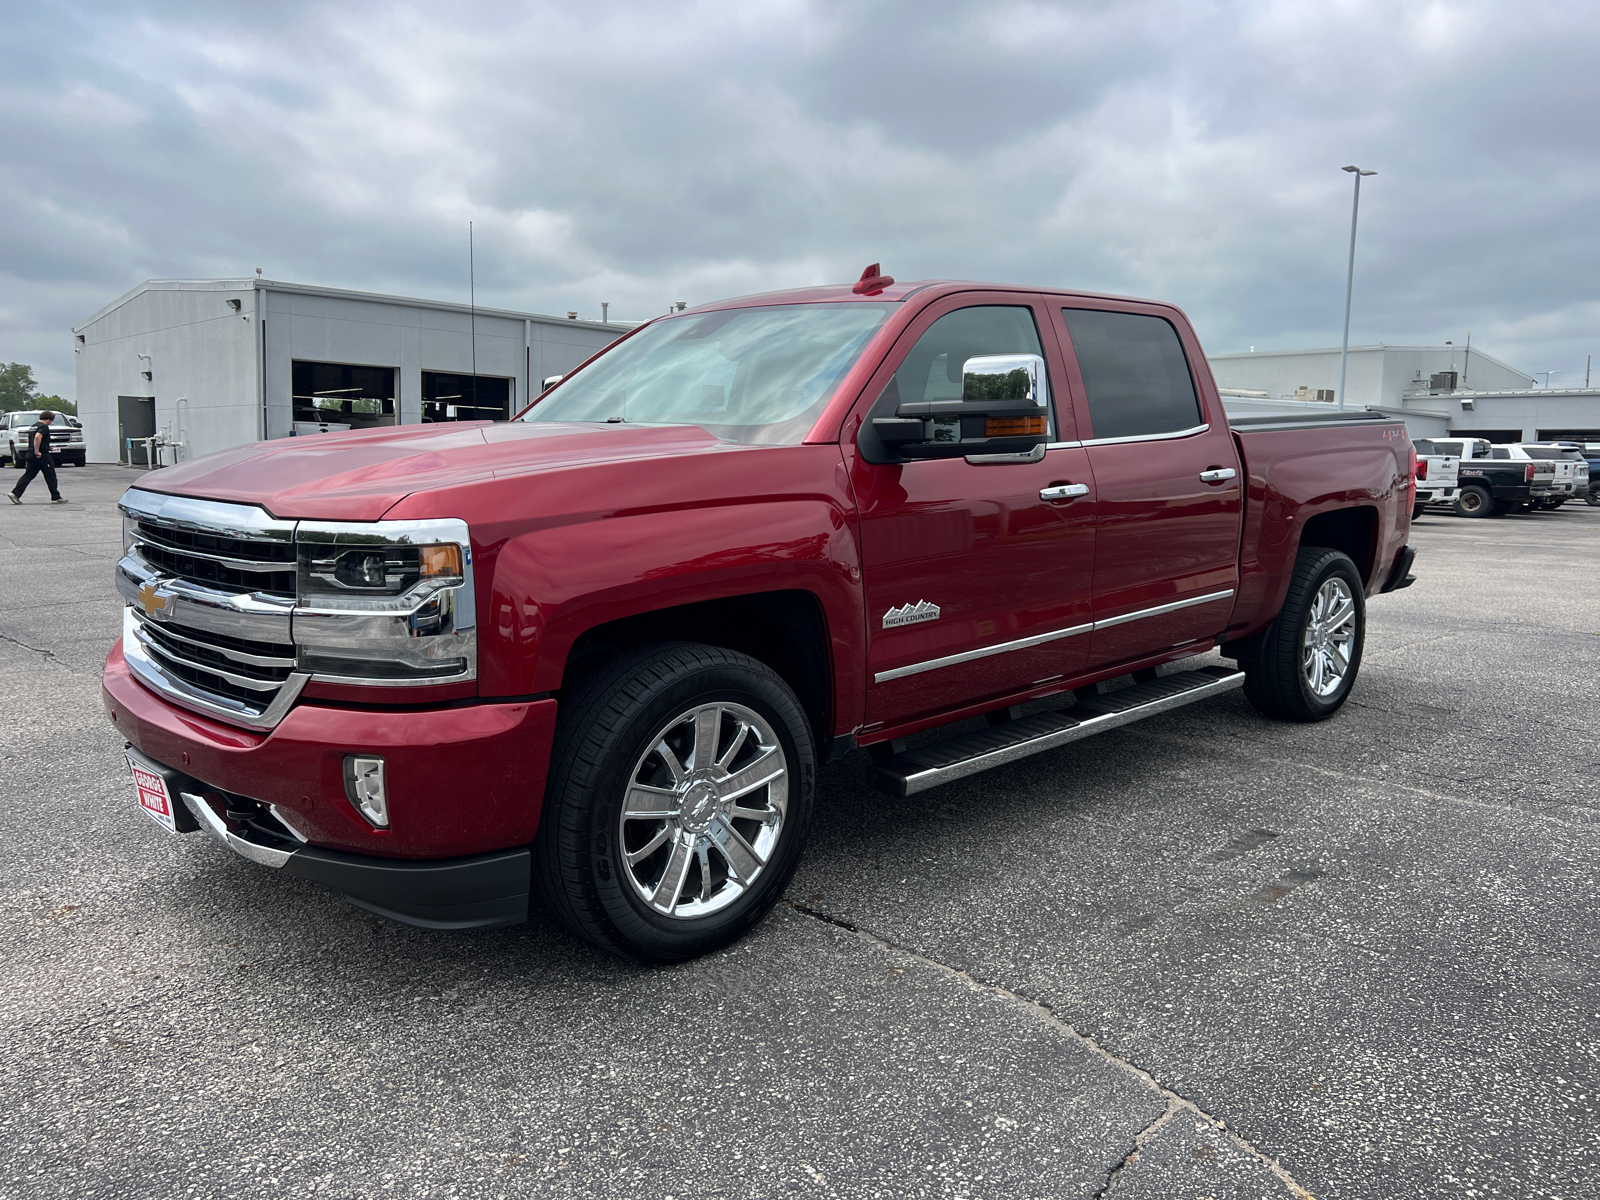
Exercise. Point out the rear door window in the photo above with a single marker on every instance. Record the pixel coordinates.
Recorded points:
(1134, 371)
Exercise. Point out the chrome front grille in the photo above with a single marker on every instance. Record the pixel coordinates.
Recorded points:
(242, 670)
(218, 561)
(211, 591)
(226, 617)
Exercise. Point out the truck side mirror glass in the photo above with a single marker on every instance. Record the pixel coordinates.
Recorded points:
(1004, 377)
(1004, 409)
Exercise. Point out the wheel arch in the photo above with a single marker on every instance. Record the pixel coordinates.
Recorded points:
(1353, 530)
(787, 630)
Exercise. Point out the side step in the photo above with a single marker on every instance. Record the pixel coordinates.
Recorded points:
(928, 766)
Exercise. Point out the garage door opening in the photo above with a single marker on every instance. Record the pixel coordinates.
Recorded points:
(1500, 437)
(334, 396)
(447, 397)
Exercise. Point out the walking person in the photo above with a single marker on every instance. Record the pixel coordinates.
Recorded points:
(39, 460)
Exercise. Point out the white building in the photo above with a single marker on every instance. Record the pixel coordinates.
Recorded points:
(1375, 374)
(214, 363)
(1436, 390)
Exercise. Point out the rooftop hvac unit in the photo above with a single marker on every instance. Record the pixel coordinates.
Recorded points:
(1442, 381)
(1325, 395)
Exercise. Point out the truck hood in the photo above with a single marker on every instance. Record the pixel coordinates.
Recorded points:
(360, 476)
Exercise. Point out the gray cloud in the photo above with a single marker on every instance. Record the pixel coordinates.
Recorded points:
(644, 153)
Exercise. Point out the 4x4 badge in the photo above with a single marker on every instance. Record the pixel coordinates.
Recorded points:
(911, 614)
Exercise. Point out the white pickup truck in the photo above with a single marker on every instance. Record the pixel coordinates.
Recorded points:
(66, 438)
(1437, 476)
(1572, 470)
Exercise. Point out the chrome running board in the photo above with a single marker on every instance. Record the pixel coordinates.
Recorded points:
(918, 770)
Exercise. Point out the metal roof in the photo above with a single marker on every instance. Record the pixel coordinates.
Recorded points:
(256, 283)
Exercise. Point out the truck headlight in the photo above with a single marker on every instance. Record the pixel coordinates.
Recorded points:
(386, 602)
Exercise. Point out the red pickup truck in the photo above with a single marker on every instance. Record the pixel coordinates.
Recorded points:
(601, 651)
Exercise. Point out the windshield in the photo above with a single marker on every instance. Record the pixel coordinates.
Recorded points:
(756, 375)
(30, 416)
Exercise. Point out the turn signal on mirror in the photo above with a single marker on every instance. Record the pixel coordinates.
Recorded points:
(1012, 426)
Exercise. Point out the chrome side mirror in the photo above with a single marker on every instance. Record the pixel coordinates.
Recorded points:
(1003, 410)
(1004, 377)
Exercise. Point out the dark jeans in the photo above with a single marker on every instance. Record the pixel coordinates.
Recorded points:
(39, 466)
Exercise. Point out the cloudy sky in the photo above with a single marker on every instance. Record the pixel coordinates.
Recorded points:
(641, 153)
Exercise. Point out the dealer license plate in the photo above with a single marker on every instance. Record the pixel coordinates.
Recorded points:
(154, 796)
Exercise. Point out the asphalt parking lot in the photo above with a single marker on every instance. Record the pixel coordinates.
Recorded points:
(1208, 956)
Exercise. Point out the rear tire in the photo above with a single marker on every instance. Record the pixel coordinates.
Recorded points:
(1473, 501)
(1592, 499)
(1417, 510)
(1310, 655)
(722, 856)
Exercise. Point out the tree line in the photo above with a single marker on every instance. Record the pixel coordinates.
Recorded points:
(19, 390)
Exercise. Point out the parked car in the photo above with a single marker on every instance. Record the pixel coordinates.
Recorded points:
(602, 650)
(1591, 455)
(1571, 471)
(1491, 485)
(66, 438)
(1437, 481)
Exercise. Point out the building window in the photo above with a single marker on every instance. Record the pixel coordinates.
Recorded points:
(340, 396)
(448, 397)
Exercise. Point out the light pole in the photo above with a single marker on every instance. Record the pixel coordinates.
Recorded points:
(1350, 281)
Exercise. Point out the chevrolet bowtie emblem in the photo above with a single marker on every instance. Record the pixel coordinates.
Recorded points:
(152, 599)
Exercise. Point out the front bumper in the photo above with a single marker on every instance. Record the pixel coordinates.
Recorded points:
(478, 892)
(466, 785)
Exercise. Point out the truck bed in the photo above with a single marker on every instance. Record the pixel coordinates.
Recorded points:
(1338, 469)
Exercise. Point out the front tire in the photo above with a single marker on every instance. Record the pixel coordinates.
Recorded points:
(679, 801)
(1417, 510)
(1473, 501)
(1311, 653)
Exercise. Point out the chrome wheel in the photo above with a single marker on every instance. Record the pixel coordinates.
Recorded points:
(704, 808)
(1330, 636)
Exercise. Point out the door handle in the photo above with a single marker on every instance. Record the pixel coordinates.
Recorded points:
(1217, 475)
(1064, 491)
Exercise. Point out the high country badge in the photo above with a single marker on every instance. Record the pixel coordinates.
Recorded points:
(911, 614)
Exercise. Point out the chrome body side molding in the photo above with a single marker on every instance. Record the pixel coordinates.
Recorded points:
(1038, 639)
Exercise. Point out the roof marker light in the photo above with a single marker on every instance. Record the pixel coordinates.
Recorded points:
(872, 281)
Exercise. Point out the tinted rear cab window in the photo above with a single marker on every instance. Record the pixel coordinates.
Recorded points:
(1134, 371)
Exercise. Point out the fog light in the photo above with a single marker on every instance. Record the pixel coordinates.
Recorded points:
(363, 784)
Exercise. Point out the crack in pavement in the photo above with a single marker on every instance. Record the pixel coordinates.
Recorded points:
(1149, 1131)
(1346, 776)
(49, 654)
(1043, 1012)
